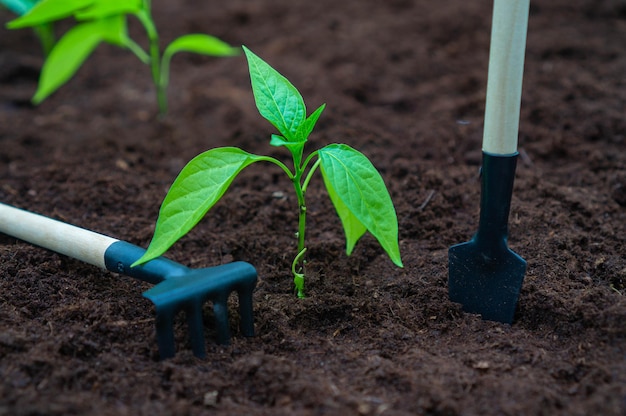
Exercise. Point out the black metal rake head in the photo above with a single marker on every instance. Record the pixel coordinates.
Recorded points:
(179, 288)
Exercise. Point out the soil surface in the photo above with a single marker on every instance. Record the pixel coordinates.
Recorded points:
(404, 82)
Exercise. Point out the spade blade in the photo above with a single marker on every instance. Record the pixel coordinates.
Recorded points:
(485, 276)
(486, 285)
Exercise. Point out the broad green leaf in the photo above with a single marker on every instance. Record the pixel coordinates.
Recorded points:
(360, 197)
(18, 7)
(307, 127)
(200, 44)
(106, 8)
(201, 183)
(66, 57)
(74, 48)
(48, 11)
(277, 100)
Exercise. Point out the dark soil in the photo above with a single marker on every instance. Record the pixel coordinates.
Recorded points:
(404, 82)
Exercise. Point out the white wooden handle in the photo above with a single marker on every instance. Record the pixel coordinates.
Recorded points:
(55, 235)
(506, 69)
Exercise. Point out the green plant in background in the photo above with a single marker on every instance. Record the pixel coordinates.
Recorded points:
(45, 31)
(355, 187)
(106, 21)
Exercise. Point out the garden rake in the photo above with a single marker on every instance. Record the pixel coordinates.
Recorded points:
(176, 287)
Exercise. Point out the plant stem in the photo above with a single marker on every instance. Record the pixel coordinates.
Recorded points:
(139, 53)
(310, 174)
(301, 188)
(297, 266)
(145, 18)
(301, 210)
(296, 179)
(299, 276)
(45, 33)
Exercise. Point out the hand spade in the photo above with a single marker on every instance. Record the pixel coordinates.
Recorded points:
(485, 276)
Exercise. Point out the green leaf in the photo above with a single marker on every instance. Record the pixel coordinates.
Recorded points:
(307, 127)
(278, 141)
(360, 197)
(113, 30)
(48, 11)
(353, 228)
(197, 43)
(74, 48)
(277, 100)
(200, 44)
(106, 8)
(66, 57)
(201, 183)
(295, 148)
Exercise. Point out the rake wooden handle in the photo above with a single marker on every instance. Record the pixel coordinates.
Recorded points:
(72, 241)
(506, 68)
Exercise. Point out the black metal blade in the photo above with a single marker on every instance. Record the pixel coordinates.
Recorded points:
(485, 276)
(489, 286)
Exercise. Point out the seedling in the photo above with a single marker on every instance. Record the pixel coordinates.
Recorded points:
(355, 187)
(45, 31)
(106, 21)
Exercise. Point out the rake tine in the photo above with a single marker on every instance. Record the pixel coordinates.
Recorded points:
(246, 319)
(164, 323)
(196, 328)
(220, 309)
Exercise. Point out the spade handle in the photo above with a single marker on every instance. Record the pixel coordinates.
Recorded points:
(506, 68)
(498, 175)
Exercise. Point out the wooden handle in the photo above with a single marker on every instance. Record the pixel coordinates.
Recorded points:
(55, 235)
(506, 68)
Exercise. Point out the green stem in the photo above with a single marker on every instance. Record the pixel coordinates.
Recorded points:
(45, 33)
(277, 163)
(310, 175)
(164, 79)
(298, 278)
(300, 190)
(138, 51)
(301, 210)
(297, 267)
(145, 18)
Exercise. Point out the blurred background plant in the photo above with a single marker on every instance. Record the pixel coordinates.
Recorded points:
(99, 21)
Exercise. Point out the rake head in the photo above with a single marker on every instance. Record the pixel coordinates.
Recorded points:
(179, 288)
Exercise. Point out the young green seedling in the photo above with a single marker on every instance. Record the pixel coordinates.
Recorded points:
(355, 187)
(44, 31)
(106, 21)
